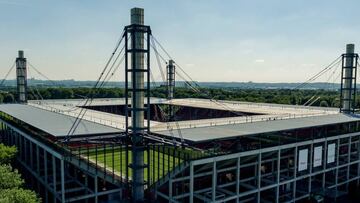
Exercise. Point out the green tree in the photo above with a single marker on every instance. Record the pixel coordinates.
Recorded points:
(324, 103)
(16, 195)
(9, 178)
(45, 94)
(7, 154)
(9, 98)
(11, 181)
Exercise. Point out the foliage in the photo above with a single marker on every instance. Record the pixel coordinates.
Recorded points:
(11, 181)
(7, 154)
(280, 96)
(9, 98)
(9, 178)
(16, 195)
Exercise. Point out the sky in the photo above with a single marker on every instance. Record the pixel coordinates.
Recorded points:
(212, 40)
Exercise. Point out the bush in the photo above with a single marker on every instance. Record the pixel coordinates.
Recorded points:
(9, 98)
(7, 154)
(11, 181)
(9, 178)
(324, 104)
(16, 195)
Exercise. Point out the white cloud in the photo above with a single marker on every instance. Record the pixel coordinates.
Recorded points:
(189, 64)
(308, 65)
(13, 3)
(259, 61)
(247, 51)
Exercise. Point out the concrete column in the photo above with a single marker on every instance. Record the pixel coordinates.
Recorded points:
(62, 174)
(191, 182)
(2, 130)
(348, 162)
(86, 186)
(137, 103)
(54, 176)
(37, 160)
(170, 79)
(45, 168)
(278, 175)
(258, 169)
(31, 155)
(358, 171)
(237, 179)
(27, 151)
(348, 73)
(337, 164)
(311, 164)
(170, 189)
(324, 163)
(137, 60)
(96, 189)
(13, 139)
(21, 78)
(214, 182)
(295, 170)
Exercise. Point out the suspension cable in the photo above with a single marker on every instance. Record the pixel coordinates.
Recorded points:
(7, 74)
(113, 64)
(90, 99)
(195, 86)
(161, 47)
(58, 85)
(314, 98)
(35, 93)
(164, 114)
(326, 69)
(158, 60)
(43, 75)
(107, 79)
(103, 83)
(152, 45)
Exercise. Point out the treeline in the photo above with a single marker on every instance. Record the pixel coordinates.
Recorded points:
(280, 96)
(8, 95)
(11, 183)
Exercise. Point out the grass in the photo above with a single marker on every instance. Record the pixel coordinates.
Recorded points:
(114, 159)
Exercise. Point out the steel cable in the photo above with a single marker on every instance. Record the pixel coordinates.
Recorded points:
(7, 74)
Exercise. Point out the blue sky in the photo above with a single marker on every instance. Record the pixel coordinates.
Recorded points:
(213, 40)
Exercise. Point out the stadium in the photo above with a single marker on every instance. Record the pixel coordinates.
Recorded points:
(139, 148)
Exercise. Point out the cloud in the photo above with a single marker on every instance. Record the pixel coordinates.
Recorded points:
(13, 3)
(247, 51)
(189, 64)
(308, 65)
(259, 61)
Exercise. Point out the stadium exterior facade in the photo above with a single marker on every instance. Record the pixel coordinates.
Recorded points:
(209, 151)
(274, 159)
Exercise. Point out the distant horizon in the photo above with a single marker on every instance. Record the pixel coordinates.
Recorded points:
(158, 81)
(235, 85)
(260, 41)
